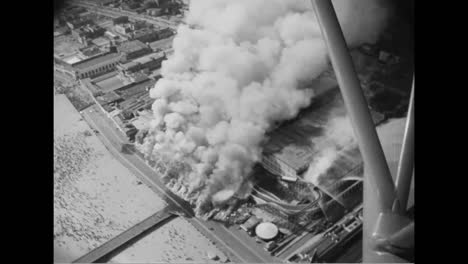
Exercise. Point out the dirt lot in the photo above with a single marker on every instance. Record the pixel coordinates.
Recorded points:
(95, 197)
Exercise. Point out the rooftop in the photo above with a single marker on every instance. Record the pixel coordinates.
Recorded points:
(110, 34)
(96, 60)
(164, 30)
(110, 84)
(292, 142)
(104, 76)
(80, 21)
(127, 92)
(131, 46)
(124, 25)
(296, 141)
(108, 98)
(74, 58)
(149, 57)
(100, 41)
(143, 31)
(162, 43)
(137, 104)
(138, 77)
(92, 51)
(266, 230)
(128, 65)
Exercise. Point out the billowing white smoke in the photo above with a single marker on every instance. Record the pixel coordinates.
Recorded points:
(339, 136)
(235, 70)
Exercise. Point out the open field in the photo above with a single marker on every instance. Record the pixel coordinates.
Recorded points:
(95, 197)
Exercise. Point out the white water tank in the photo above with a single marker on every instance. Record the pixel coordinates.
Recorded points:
(266, 230)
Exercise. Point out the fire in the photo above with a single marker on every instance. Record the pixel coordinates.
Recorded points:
(235, 71)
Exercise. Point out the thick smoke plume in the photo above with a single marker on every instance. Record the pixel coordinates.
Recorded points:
(339, 136)
(236, 69)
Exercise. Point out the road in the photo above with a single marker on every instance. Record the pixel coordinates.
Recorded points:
(237, 245)
(114, 12)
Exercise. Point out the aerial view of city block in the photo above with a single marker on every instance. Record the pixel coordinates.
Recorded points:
(215, 131)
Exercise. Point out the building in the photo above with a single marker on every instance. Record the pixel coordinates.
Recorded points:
(120, 20)
(292, 146)
(146, 63)
(288, 152)
(140, 10)
(61, 30)
(130, 97)
(88, 32)
(124, 29)
(153, 12)
(91, 52)
(130, 109)
(127, 29)
(73, 58)
(162, 44)
(250, 224)
(133, 49)
(136, 100)
(96, 66)
(139, 24)
(130, 5)
(128, 67)
(102, 43)
(114, 39)
(135, 77)
(122, 103)
(132, 90)
(145, 35)
(73, 12)
(165, 33)
(78, 22)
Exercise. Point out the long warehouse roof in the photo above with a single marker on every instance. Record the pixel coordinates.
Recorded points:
(296, 141)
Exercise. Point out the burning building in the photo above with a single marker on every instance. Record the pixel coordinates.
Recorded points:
(292, 147)
(234, 74)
